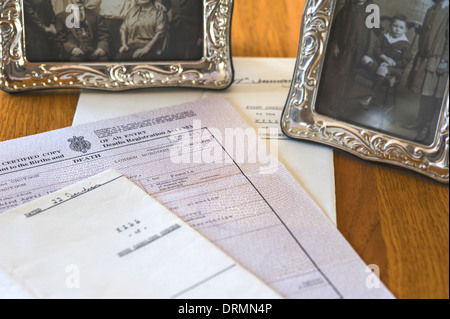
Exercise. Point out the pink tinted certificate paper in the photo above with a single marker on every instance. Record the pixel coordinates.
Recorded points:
(194, 159)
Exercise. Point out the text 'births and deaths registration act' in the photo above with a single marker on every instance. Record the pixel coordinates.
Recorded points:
(226, 188)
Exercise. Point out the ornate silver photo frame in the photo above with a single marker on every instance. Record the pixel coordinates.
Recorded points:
(371, 78)
(115, 44)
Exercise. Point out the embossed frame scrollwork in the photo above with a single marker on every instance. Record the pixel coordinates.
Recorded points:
(214, 71)
(301, 121)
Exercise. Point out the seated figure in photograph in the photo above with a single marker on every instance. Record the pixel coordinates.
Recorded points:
(429, 76)
(88, 41)
(40, 30)
(391, 54)
(143, 32)
(349, 43)
(114, 12)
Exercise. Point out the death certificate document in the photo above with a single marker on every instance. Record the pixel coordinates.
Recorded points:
(204, 163)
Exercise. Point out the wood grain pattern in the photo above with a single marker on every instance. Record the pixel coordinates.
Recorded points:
(33, 113)
(393, 218)
(397, 220)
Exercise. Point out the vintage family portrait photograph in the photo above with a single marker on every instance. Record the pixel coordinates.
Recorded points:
(113, 30)
(387, 66)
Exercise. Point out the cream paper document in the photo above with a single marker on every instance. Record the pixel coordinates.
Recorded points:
(204, 163)
(105, 237)
(258, 94)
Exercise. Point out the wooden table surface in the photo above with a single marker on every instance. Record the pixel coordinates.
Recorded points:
(392, 217)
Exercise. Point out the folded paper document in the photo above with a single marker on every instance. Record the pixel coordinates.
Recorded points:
(204, 163)
(105, 237)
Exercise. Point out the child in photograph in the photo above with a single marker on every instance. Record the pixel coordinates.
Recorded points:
(391, 54)
(349, 42)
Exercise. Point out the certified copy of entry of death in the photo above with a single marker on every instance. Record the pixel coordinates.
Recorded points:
(202, 161)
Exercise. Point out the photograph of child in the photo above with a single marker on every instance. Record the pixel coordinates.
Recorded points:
(391, 78)
(113, 30)
(391, 54)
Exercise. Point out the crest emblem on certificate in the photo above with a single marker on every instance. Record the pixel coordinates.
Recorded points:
(78, 144)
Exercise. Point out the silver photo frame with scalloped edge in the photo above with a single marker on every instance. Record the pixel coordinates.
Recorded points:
(384, 99)
(28, 63)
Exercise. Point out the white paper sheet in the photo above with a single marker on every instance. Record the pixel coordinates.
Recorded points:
(105, 237)
(258, 93)
(242, 200)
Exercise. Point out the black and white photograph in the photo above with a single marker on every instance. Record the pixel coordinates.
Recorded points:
(387, 66)
(113, 30)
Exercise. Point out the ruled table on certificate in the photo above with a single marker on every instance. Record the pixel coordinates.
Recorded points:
(230, 189)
